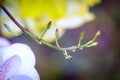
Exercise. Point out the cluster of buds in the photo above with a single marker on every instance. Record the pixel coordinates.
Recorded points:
(80, 46)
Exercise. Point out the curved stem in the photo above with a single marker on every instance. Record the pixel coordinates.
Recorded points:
(26, 31)
(40, 40)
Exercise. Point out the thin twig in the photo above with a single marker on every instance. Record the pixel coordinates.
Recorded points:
(25, 30)
(40, 40)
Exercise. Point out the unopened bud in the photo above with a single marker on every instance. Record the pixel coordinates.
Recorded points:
(7, 27)
(57, 33)
(49, 24)
(69, 57)
(98, 33)
(92, 44)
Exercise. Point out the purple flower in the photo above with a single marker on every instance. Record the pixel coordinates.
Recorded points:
(17, 62)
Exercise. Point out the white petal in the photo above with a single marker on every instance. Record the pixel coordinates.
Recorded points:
(4, 42)
(71, 22)
(1, 53)
(26, 55)
(9, 67)
(34, 74)
(21, 77)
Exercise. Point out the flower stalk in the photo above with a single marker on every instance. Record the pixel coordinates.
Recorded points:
(57, 47)
(48, 27)
(57, 37)
(80, 39)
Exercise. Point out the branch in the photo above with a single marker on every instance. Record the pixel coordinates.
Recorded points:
(25, 30)
(57, 47)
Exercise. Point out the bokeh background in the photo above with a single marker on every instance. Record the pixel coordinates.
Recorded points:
(96, 63)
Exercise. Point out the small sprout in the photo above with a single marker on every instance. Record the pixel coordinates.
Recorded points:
(80, 39)
(98, 33)
(10, 30)
(57, 33)
(92, 44)
(69, 57)
(48, 27)
(49, 24)
(7, 27)
(57, 37)
(95, 37)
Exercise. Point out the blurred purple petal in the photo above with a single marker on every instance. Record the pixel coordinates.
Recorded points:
(26, 55)
(9, 67)
(21, 77)
(34, 74)
(4, 42)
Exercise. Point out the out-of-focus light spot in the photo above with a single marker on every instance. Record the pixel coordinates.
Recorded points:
(70, 22)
